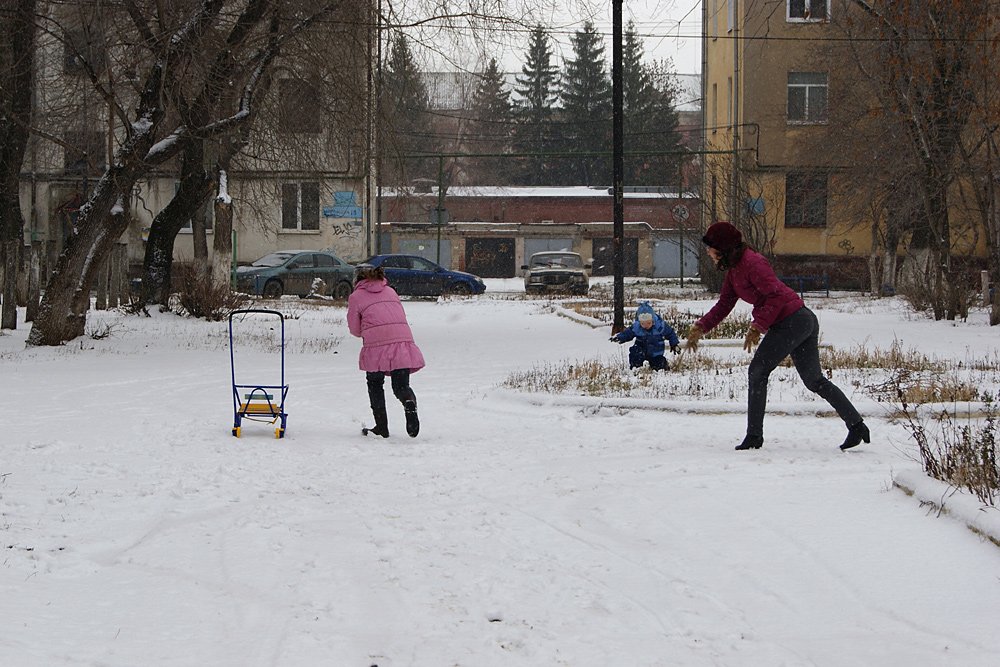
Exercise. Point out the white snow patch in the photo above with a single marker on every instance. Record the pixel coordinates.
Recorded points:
(515, 530)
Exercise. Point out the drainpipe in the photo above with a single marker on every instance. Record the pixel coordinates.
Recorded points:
(704, 102)
(440, 205)
(735, 194)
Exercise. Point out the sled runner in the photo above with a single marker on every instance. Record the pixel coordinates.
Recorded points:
(258, 402)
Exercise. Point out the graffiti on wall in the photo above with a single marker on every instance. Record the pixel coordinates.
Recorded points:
(345, 205)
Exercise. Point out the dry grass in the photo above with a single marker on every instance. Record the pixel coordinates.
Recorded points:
(699, 376)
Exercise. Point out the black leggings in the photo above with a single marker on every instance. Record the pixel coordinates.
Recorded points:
(796, 335)
(400, 381)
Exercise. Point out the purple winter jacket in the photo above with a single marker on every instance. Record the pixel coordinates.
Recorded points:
(375, 313)
(754, 281)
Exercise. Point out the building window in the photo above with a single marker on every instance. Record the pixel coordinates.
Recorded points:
(83, 152)
(805, 199)
(715, 108)
(299, 106)
(83, 47)
(808, 10)
(300, 206)
(807, 97)
(729, 15)
(729, 102)
(715, 18)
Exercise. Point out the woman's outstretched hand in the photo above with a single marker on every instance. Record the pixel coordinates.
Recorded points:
(693, 336)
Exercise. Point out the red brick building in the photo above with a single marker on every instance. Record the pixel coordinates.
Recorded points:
(505, 225)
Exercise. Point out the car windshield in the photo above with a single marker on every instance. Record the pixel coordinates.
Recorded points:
(274, 259)
(556, 261)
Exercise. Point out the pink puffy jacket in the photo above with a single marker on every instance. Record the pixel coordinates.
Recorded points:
(375, 313)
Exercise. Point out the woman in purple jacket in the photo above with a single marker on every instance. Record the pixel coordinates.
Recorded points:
(790, 328)
(375, 313)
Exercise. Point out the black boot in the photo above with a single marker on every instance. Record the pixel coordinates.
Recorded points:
(750, 442)
(376, 398)
(381, 424)
(855, 434)
(412, 422)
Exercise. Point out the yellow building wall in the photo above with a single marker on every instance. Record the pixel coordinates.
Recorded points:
(746, 113)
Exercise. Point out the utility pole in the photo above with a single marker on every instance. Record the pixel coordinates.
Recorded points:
(617, 152)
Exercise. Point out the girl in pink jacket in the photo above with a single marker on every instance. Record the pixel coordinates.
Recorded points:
(375, 314)
(788, 327)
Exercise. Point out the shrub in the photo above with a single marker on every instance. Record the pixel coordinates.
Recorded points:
(200, 296)
(957, 450)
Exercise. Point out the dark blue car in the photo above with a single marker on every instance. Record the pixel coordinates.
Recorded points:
(412, 275)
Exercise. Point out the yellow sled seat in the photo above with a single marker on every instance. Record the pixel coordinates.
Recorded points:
(260, 404)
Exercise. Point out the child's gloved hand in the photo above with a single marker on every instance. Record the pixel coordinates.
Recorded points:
(614, 339)
(675, 349)
(752, 339)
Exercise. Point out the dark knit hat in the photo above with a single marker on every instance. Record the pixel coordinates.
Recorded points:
(722, 236)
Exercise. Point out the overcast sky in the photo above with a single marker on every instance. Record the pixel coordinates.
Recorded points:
(670, 28)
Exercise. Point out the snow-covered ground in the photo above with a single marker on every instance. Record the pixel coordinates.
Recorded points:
(515, 530)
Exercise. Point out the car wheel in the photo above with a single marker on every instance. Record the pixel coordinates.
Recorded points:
(459, 289)
(342, 291)
(272, 289)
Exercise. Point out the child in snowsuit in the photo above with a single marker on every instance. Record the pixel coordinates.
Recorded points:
(649, 332)
(375, 313)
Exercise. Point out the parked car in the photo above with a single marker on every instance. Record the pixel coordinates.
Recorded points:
(556, 271)
(294, 272)
(412, 275)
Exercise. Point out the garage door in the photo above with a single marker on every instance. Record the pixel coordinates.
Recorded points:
(490, 258)
(669, 262)
(604, 257)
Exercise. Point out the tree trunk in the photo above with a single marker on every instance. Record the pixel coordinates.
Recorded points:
(17, 81)
(195, 187)
(34, 286)
(199, 240)
(101, 302)
(915, 274)
(875, 266)
(222, 243)
(8, 319)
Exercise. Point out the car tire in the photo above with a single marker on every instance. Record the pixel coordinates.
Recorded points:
(272, 289)
(342, 291)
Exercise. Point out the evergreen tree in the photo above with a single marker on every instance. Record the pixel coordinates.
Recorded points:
(664, 134)
(537, 91)
(586, 112)
(650, 117)
(492, 120)
(405, 117)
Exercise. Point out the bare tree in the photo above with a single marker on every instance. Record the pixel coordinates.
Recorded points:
(920, 59)
(979, 185)
(175, 107)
